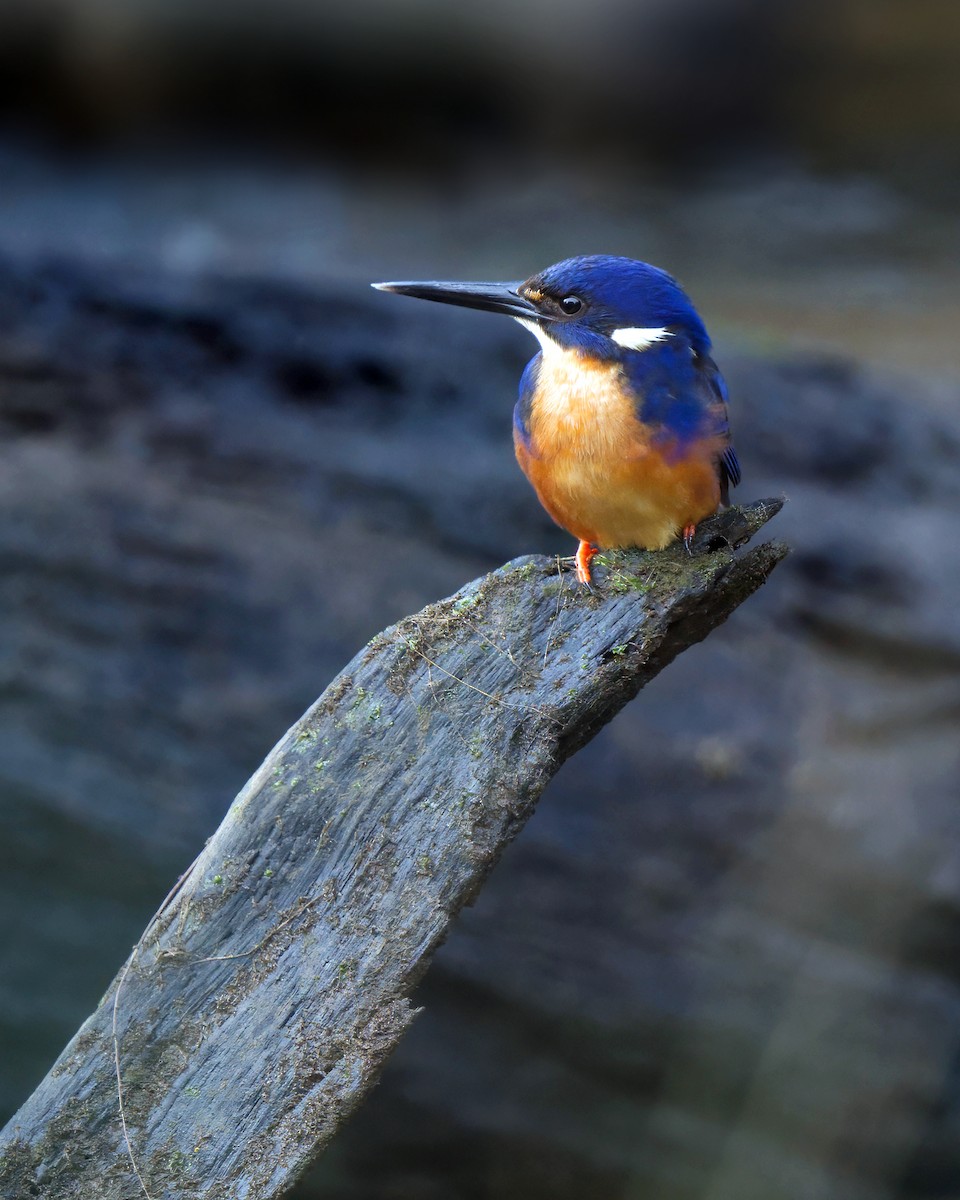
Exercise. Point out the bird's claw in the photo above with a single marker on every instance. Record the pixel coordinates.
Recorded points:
(582, 559)
(688, 535)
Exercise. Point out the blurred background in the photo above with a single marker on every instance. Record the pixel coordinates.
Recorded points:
(721, 962)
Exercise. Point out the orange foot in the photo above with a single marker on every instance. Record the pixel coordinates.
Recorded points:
(584, 553)
(688, 532)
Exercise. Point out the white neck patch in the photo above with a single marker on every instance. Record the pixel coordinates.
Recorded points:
(639, 339)
(630, 337)
(547, 344)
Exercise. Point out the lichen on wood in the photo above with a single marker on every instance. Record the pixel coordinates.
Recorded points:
(261, 1002)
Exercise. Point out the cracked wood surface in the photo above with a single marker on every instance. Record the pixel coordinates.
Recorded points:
(263, 999)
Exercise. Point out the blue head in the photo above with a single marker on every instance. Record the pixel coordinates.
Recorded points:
(597, 305)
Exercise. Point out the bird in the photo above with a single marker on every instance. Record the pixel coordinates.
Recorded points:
(621, 424)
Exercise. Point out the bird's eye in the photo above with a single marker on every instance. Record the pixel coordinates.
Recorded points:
(571, 305)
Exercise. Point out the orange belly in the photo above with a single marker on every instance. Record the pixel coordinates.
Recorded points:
(596, 467)
(632, 498)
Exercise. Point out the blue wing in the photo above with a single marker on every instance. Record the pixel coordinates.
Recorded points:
(521, 413)
(681, 395)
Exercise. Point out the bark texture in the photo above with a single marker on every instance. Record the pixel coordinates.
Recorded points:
(261, 1002)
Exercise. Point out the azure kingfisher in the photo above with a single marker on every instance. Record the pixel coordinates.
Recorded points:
(621, 425)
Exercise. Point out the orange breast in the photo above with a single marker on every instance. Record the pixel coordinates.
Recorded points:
(595, 469)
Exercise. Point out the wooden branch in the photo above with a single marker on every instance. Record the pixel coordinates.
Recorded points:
(261, 1002)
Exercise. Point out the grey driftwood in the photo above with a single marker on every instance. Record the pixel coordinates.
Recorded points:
(260, 1004)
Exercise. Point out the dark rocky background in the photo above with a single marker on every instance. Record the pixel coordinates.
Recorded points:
(721, 961)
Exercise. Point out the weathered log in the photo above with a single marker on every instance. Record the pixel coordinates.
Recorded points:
(261, 1002)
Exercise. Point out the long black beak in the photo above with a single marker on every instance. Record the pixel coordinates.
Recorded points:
(491, 297)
